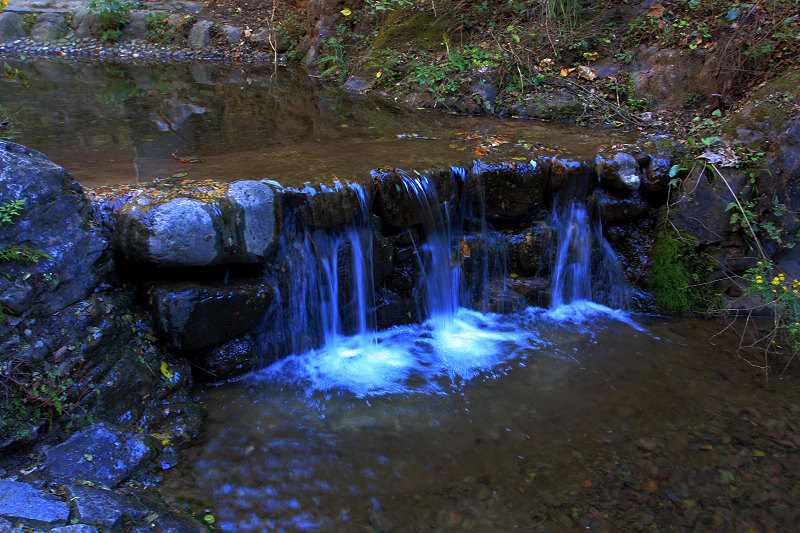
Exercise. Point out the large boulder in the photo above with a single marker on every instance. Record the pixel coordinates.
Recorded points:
(61, 250)
(100, 454)
(49, 27)
(192, 227)
(12, 26)
(22, 503)
(193, 316)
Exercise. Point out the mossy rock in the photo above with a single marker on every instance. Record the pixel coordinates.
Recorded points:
(421, 30)
(678, 272)
(768, 113)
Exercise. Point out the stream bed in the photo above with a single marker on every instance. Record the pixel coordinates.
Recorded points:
(576, 418)
(572, 418)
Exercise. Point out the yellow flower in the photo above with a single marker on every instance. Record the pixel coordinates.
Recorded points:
(776, 281)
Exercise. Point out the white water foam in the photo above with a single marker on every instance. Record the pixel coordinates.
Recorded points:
(430, 359)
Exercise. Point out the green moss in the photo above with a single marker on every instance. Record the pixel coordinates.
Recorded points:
(769, 110)
(678, 273)
(421, 30)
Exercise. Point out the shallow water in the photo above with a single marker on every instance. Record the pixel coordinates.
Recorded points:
(123, 123)
(414, 433)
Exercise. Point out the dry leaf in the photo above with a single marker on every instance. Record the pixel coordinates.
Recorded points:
(656, 10)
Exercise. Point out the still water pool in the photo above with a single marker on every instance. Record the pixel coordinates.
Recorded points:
(126, 123)
(503, 432)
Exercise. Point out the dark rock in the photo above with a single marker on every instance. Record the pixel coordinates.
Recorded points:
(326, 208)
(529, 251)
(656, 177)
(571, 177)
(100, 454)
(54, 220)
(535, 291)
(200, 35)
(103, 507)
(12, 26)
(21, 502)
(229, 360)
(701, 210)
(618, 172)
(511, 192)
(192, 316)
(614, 209)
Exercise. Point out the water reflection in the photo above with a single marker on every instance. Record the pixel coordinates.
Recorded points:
(490, 454)
(127, 123)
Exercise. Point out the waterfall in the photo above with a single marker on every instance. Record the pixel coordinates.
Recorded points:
(324, 284)
(585, 267)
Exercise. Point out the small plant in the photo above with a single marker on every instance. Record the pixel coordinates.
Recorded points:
(783, 297)
(114, 15)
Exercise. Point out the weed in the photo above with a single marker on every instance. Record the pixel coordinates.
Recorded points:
(114, 15)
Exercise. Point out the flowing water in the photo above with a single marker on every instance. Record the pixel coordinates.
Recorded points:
(469, 421)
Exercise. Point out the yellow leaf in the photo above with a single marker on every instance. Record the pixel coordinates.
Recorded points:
(759, 453)
(378, 74)
(346, 12)
(591, 56)
(165, 370)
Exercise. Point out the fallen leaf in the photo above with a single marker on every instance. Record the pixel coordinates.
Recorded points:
(656, 10)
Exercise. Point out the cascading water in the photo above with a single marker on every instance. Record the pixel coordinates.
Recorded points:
(585, 267)
(311, 310)
(326, 317)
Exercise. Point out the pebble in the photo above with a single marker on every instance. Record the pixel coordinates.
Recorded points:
(133, 50)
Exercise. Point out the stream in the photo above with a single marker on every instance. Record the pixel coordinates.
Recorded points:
(575, 416)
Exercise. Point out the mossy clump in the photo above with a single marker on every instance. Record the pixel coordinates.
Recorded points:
(678, 273)
(422, 31)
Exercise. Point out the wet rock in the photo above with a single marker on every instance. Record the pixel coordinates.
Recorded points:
(511, 192)
(12, 26)
(535, 291)
(103, 507)
(20, 502)
(614, 209)
(100, 454)
(236, 223)
(393, 201)
(656, 177)
(530, 251)
(229, 360)
(54, 220)
(571, 177)
(76, 528)
(193, 316)
(49, 27)
(200, 35)
(324, 207)
(619, 172)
